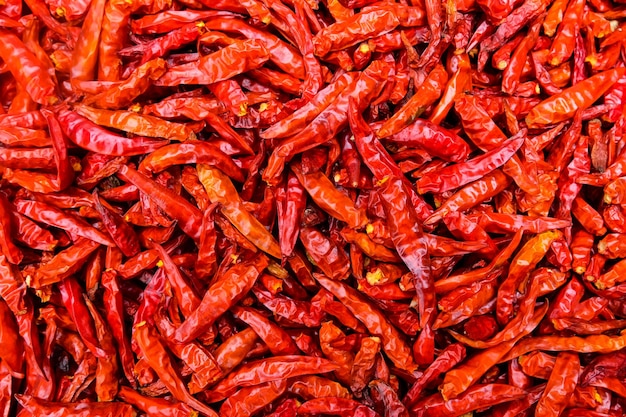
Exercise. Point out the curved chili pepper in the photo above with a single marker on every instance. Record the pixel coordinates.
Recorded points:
(36, 406)
(330, 121)
(461, 227)
(267, 370)
(158, 358)
(336, 406)
(378, 159)
(195, 356)
(92, 137)
(474, 398)
(27, 69)
(374, 320)
(189, 217)
(218, 66)
(513, 71)
(188, 153)
(579, 97)
(249, 400)
(457, 381)
(425, 95)
(283, 55)
(52, 216)
(113, 37)
(354, 30)
(221, 190)
(457, 175)
(446, 360)
(71, 295)
(234, 349)
(154, 407)
(291, 202)
(297, 311)
(562, 382)
(278, 341)
(122, 234)
(226, 291)
(305, 114)
(471, 195)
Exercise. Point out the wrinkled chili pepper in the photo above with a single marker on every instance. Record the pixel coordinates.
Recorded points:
(258, 187)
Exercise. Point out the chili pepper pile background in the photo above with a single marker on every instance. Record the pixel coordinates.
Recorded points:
(312, 207)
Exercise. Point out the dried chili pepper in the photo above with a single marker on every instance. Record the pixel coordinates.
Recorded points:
(200, 142)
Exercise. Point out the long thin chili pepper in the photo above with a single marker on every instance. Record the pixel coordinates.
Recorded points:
(27, 69)
(90, 136)
(157, 357)
(235, 283)
(563, 106)
(221, 190)
(188, 216)
(393, 344)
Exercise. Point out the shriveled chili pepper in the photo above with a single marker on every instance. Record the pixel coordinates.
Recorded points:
(448, 358)
(471, 195)
(52, 216)
(94, 138)
(189, 217)
(230, 61)
(474, 398)
(352, 31)
(393, 345)
(428, 92)
(530, 254)
(330, 121)
(27, 69)
(268, 370)
(329, 198)
(221, 190)
(457, 175)
(35, 406)
(159, 360)
(154, 407)
(563, 106)
(233, 284)
(72, 299)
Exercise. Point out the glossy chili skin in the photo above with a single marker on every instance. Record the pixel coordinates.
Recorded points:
(26, 68)
(273, 369)
(374, 320)
(353, 207)
(562, 106)
(218, 66)
(179, 208)
(234, 284)
(94, 138)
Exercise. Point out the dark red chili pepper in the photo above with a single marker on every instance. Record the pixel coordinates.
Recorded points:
(90, 136)
(188, 216)
(234, 284)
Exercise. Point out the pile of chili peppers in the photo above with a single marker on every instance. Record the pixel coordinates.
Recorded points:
(312, 207)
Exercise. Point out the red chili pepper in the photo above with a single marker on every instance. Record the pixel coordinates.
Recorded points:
(330, 121)
(157, 357)
(27, 69)
(188, 216)
(563, 106)
(35, 406)
(373, 320)
(268, 370)
(96, 139)
(427, 93)
(221, 190)
(235, 283)
(458, 175)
